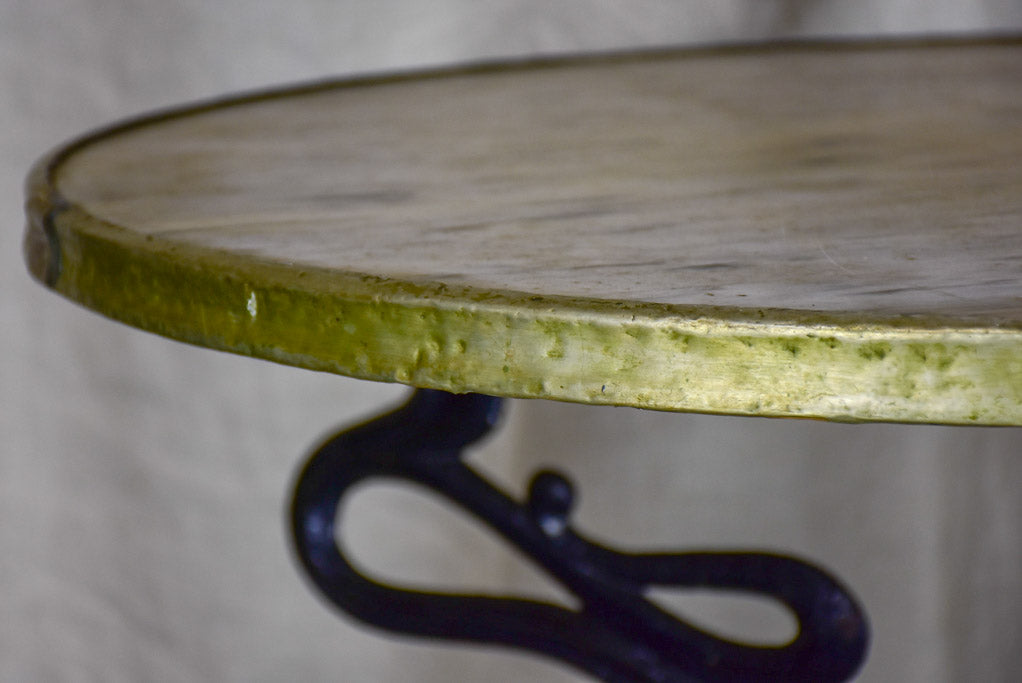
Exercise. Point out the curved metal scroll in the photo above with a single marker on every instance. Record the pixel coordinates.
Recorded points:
(617, 634)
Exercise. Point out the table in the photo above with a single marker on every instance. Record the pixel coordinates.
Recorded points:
(804, 230)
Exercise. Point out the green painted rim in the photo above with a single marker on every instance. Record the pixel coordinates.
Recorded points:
(769, 362)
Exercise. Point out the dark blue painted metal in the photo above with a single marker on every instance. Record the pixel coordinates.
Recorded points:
(617, 634)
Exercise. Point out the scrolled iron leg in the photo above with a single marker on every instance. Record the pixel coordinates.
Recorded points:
(617, 634)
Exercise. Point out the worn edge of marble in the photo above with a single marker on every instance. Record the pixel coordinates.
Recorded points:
(768, 362)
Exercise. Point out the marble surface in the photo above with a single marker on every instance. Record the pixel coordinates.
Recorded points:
(861, 180)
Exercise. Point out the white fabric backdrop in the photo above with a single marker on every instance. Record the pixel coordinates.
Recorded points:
(143, 483)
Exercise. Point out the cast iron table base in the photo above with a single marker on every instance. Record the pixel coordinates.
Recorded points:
(617, 634)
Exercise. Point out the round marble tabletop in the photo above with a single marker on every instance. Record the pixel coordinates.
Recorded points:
(828, 230)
